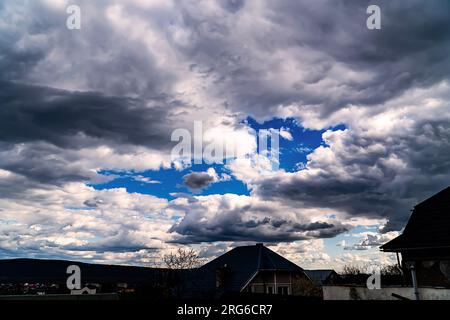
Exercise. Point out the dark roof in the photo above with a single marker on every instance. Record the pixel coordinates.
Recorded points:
(320, 276)
(243, 263)
(427, 228)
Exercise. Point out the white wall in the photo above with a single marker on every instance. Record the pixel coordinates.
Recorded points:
(344, 293)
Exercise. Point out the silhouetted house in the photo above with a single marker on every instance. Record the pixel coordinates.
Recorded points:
(249, 269)
(104, 278)
(424, 245)
(322, 277)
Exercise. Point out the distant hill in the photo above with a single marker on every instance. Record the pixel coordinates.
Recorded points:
(34, 270)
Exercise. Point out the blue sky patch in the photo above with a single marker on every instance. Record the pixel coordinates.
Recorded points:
(164, 182)
(293, 152)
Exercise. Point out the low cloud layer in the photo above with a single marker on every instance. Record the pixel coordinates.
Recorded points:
(241, 218)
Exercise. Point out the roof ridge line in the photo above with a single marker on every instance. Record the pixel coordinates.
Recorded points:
(258, 266)
(271, 261)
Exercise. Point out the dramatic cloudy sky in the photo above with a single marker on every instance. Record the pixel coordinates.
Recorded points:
(86, 118)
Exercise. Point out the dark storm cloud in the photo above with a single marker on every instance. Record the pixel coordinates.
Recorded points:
(76, 120)
(198, 180)
(36, 47)
(365, 183)
(240, 224)
(313, 226)
(43, 131)
(412, 49)
(108, 248)
(43, 164)
(355, 197)
(120, 102)
(243, 232)
(15, 64)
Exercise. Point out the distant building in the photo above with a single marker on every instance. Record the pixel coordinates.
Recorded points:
(424, 245)
(29, 276)
(243, 270)
(249, 269)
(323, 277)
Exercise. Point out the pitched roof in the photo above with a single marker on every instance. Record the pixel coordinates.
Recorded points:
(428, 227)
(320, 276)
(244, 262)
